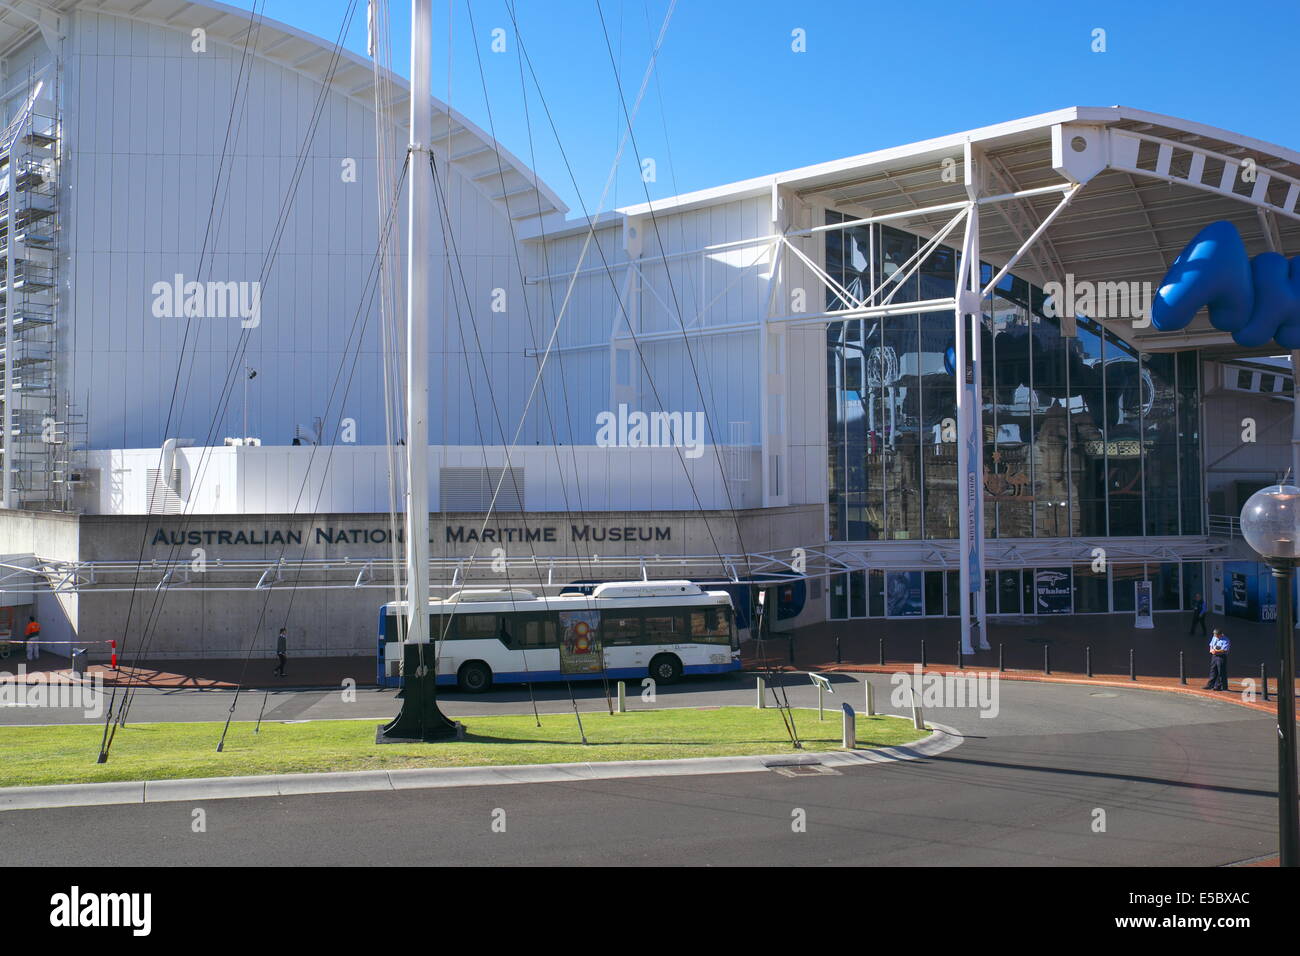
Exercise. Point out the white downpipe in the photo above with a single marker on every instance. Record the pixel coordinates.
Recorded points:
(168, 464)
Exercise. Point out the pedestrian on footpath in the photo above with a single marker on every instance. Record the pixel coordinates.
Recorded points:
(33, 637)
(281, 651)
(1219, 645)
(1198, 616)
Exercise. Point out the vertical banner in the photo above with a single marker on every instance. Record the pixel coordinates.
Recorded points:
(1142, 607)
(580, 651)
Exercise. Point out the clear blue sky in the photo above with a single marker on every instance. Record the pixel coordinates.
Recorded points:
(729, 98)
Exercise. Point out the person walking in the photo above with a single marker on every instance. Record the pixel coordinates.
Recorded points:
(1219, 645)
(33, 637)
(1198, 616)
(281, 651)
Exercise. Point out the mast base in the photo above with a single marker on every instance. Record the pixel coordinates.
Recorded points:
(419, 720)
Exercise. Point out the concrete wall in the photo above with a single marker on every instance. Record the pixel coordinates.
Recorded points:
(342, 621)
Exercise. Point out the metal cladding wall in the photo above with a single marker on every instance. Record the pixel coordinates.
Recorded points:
(145, 121)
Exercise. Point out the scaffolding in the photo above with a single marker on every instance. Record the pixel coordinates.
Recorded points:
(38, 438)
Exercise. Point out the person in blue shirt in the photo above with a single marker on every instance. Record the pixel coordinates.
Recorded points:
(1198, 616)
(1219, 645)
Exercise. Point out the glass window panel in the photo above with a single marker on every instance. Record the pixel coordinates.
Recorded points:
(953, 580)
(1091, 590)
(876, 593)
(534, 632)
(857, 594)
(1189, 442)
(1194, 585)
(1009, 462)
(934, 593)
(620, 628)
(707, 626)
(1160, 451)
(1048, 398)
(661, 628)
(1088, 431)
(1122, 579)
(900, 418)
(477, 627)
(938, 432)
(1165, 589)
(839, 597)
(895, 249)
(1008, 593)
(1128, 390)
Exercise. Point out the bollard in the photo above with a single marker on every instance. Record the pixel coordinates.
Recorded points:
(622, 697)
(850, 728)
(882, 652)
(821, 701)
(1087, 661)
(113, 661)
(871, 699)
(791, 649)
(1263, 679)
(761, 702)
(918, 718)
(1047, 659)
(1182, 669)
(838, 658)
(1132, 671)
(1001, 666)
(923, 661)
(959, 657)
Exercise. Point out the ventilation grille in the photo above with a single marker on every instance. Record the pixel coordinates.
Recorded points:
(471, 489)
(163, 498)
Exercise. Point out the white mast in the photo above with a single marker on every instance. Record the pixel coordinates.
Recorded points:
(420, 197)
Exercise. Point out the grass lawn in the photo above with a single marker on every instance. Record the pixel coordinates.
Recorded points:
(35, 756)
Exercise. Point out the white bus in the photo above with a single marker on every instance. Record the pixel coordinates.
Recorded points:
(623, 629)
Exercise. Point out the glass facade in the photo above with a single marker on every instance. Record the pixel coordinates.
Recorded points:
(1083, 435)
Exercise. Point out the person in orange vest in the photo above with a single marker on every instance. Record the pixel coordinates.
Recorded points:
(32, 635)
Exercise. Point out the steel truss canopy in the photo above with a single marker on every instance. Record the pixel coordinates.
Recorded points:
(1148, 183)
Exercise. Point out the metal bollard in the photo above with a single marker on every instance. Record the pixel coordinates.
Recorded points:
(1001, 666)
(791, 650)
(622, 697)
(838, 659)
(1047, 659)
(850, 727)
(1263, 679)
(1087, 661)
(959, 657)
(918, 717)
(871, 698)
(923, 661)
(761, 701)
(1182, 668)
(1132, 670)
(882, 652)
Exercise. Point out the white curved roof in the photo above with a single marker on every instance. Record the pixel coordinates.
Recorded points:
(522, 196)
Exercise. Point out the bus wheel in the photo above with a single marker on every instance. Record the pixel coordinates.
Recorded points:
(474, 677)
(666, 669)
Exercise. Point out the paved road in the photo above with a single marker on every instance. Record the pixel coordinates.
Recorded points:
(1181, 780)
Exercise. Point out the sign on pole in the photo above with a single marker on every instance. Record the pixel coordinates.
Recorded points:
(1142, 604)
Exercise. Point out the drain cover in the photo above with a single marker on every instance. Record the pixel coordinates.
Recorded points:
(806, 770)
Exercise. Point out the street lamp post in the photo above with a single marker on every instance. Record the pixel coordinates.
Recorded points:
(1270, 523)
